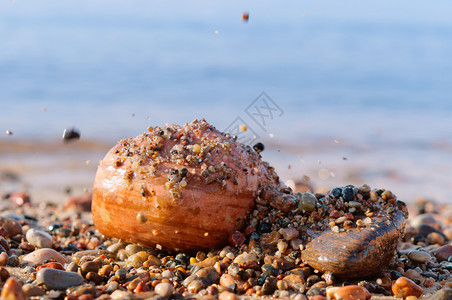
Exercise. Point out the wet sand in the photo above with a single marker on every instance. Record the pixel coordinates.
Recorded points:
(52, 171)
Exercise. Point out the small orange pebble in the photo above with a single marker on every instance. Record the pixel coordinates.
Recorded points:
(142, 287)
(51, 265)
(12, 290)
(404, 287)
(428, 282)
(349, 292)
(245, 16)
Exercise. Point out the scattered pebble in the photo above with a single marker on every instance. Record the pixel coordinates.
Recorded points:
(419, 256)
(349, 292)
(12, 226)
(164, 289)
(32, 290)
(71, 134)
(53, 279)
(37, 257)
(442, 253)
(404, 287)
(38, 238)
(12, 290)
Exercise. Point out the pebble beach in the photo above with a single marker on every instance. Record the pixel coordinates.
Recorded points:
(52, 250)
(340, 190)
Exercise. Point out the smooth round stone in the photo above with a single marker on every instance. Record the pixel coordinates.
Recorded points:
(38, 256)
(195, 286)
(419, 256)
(412, 274)
(294, 281)
(53, 279)
(116, 247)
(72, 267)
(349, 292)
(403, 287)
(4, 259)
(354, 204)
(442, 253)
(168, 274)
(89, 266)
(164, 289)
(228, 280)
(289, 233)
(307, 202)
(12, 290)
(207, 275)
(245, 257)
(132, 249)
(119, 294)
(226, 295)
(435, 238)
(39, 239)
(282, 285)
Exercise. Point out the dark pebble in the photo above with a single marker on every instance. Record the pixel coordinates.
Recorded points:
(395, 275)
(255, 236)
(313, 279)
(313, 291)
(336, 192)
(425, 230)
(112, 287)
(69, 249)
(4, 274)
(182, 258)
(259, 147)
(269, 285)
(233, 288)
(212, 290)
(265, 227)
(448, 266)
(121, 274)
(71, 134)
(63, 232)
(262, 279)
(267, 268)
(14, 261)
(89, 266)
(348, 193)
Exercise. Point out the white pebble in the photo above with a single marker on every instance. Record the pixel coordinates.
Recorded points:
(38, 238)
(164, 289)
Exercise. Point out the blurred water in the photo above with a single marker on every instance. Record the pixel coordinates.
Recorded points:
(373, 73)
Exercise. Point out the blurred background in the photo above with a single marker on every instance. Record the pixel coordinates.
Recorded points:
(361, 91)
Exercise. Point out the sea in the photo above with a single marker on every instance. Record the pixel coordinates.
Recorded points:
(338, 92)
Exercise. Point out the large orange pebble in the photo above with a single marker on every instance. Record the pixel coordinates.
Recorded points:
(349, 292)
(182, 187)
(403, 287)
(12, 290)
